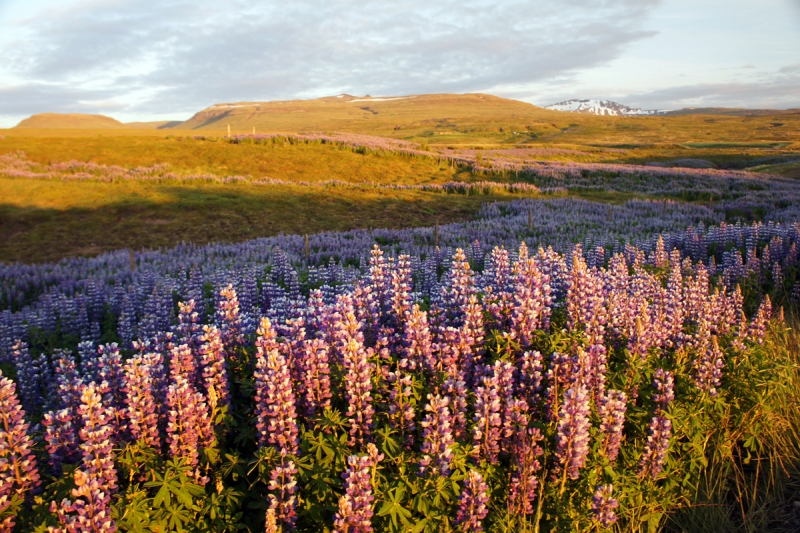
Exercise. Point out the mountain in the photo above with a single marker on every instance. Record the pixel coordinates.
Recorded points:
(600, 107)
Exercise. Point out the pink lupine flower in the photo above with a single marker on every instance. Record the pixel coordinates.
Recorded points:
(19, 476)
(355, 507)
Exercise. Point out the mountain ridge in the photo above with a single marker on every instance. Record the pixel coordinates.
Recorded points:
(600, 107)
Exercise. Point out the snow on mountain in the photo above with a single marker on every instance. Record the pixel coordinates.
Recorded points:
(600, 107)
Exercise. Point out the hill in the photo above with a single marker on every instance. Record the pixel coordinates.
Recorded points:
(69, 121)
(431, 114)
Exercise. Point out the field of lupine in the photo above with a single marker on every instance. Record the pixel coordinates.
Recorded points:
(554, 365)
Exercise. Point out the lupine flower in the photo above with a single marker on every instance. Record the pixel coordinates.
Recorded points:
(456, 390)
(271, 525)
(437, 436)
(316, 377)
(275, 401)
(472, 503)
(417, 351)
(355, 507)
(358, 387)
(522, 489)
(758, 326)
(112, 386)
(559, 374)
(140, 388)
(572, 439)
(655, 452)
(213, 369)
(228, 320)
(612, 418)
(90, 510)
(188, 323)
(531, 372)
(30, 381)
(189, 427)
(282, 499)
(488, 420)
(708, 366)
(532, 301)
(664, 384)
(603, 505)
(97, 435)
(61, 437)
(18, 473)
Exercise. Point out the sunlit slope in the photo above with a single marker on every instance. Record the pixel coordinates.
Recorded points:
(70, 121)
(469, 118)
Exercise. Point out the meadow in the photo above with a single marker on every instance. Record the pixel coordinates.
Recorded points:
(350, 333)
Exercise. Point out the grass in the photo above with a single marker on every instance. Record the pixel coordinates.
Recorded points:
(45, 220)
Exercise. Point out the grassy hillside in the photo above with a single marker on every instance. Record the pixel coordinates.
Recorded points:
(482, 118)
(69, 121)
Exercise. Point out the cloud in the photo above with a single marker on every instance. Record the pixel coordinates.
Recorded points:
(773, 92)
(177, 56)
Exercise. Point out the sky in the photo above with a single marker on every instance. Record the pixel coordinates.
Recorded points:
(167, 59)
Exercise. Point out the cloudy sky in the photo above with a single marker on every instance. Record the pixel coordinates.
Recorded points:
(166, 59)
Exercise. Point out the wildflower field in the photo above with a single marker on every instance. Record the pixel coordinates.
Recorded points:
(549, 363)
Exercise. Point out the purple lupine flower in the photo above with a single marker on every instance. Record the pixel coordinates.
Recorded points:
(586, 307)
(497, 285)
(90, 510)
(189, 427)
(416, 351)
(401, 409)
(472, 335)
(140, 397)
(488, 420)
(228, 320)
(522, 489)
(188, 323)
(532, 300)
(316, 377)
(275, 401)
(283, 487)
(472, 503)
(603, 505)
(572, 439)
(28, 378)
(611, 411)
(112, 386)
(530, 369)
(456, 390)
(19, 475)
(213, 370)
(655, 453)
(358, 388)
(758, 327)
(708, 366)
(69, 381)
(437, 437)
(355, 507)
(664, 384)
(61, 437)
(97, 434)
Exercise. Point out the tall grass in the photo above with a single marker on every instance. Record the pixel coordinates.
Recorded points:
(752, 480)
